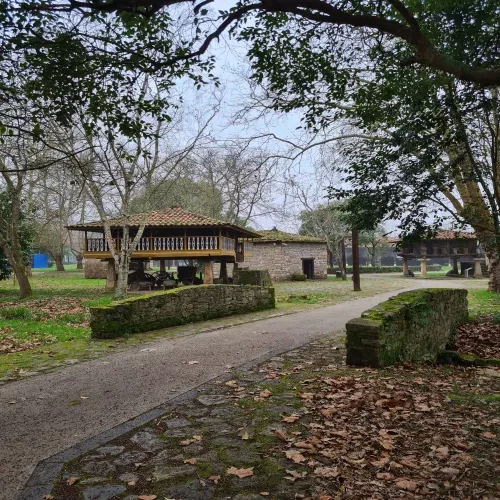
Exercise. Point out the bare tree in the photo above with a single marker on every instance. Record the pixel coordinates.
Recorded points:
(245, 178)
(17, 156)
(58, 199)
(116, 169)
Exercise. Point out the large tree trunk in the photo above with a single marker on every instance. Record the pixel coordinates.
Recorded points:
(23, 281)
(79, 261)
(58, 259)
(122, 278)
(494, 273)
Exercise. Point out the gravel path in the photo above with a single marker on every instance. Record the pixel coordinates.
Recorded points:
(50, 415)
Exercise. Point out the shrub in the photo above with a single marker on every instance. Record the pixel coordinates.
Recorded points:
(298, 277)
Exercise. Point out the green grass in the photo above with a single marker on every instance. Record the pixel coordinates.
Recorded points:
(482, 302)
(64, 337)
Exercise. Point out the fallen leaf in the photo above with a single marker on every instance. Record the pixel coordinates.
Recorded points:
(282, 435)
(48, 497)
(295, 456)
(290, 419)
(241, 473)
(193, 362)
(327, 472)
(488, 435)
(232, 383)
(84, 397)
(264, 493)
(245, 435)
(450, 471)
(385, 475)
(194, 439)
(72, 480)
(442, 452)
(380, 463)
(131, 484)
(13, 402)
(294, 475)
(265, 394)
(422, 408)
(74, 402)
(147, 497)
(214, 479)
(191, 461)
(406, 484)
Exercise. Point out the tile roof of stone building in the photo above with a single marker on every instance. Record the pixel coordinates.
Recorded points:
(169, 217)
(280, 236)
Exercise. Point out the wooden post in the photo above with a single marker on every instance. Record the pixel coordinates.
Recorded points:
(455, 266)
(344, 259)
(208, 272)
(355, 261)
(111, 276)
(162, 265)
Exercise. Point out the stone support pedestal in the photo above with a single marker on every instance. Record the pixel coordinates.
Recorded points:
(423, 268)
(478, 272)
(223, 272)
(208, 272)
(111, 275)
(406, 269)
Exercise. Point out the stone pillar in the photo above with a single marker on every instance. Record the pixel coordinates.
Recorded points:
(478, 272)
(406, 269)
(162, 265)
(455, 266)
(423, 267)
(208, 272)
(223, 272)
(111, 276)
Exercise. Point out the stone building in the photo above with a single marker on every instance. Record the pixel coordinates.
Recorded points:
(285, 254)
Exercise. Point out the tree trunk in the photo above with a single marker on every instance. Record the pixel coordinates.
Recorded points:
(343, 260)
(372, 259)
(23, 281)
(58, 259)
(79, 261)
(494, 273)
(122, 278)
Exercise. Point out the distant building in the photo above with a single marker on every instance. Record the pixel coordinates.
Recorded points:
(284, 254)
(456, 247)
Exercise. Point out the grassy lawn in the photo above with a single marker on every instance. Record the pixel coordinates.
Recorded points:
(484, 303)
(51, 329)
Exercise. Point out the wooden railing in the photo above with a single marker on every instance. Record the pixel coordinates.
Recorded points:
(168, 243)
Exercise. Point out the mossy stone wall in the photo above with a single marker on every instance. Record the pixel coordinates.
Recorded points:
(413, 326)
(177, 307)
(258, 277)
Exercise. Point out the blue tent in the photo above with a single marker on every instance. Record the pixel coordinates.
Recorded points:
(39, 260)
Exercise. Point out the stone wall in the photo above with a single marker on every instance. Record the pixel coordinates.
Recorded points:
(284, 259)
(176, 307)
(413, 326)
(252, 277)
(95, 269)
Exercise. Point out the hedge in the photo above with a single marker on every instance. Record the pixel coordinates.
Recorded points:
(386, 269)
